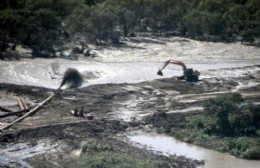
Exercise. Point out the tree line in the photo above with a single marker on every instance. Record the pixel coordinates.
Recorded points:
(40, 23)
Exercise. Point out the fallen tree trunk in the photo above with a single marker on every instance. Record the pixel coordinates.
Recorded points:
(27, 114)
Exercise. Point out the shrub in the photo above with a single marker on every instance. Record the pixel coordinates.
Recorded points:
(220, 108)
(92, 145)
(96, 155)
(252, 153)
(231, 116)
(242, 124)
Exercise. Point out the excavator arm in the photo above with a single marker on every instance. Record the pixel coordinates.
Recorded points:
(171, 62)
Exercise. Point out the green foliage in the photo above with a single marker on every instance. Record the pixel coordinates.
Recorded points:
(36, 24)
(109, 159)
(240, 145)
(61, 7)
(218, 18)
(42, 31)
(244, 147)
(252, 153)
(96, 155)
(91, 145)
(230, 125)
(220, 108)
(254, 112)
(9, 21)
(231, 116)
(107, 20)
(18, 4)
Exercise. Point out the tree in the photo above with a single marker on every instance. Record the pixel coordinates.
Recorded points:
(63, 8)
(231, 116)
(42, 30)
(12, 26)
(220, 108)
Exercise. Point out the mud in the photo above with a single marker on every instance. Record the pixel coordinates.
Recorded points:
(117, 108)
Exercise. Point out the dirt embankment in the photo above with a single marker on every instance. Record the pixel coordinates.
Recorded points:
(55, 122)
(106, 102)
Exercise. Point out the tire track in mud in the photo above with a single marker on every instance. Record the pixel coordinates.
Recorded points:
(133, 101)
(16, 155)
(173, 96)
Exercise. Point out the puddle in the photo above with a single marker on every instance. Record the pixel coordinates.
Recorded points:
(127, 115)
(186, 110)
(170, 146)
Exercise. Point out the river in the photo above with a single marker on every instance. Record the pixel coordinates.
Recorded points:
(170, 146)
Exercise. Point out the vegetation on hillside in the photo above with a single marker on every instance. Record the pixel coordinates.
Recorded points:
(39, 23)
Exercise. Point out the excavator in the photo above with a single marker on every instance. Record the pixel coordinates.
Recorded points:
(189, 74)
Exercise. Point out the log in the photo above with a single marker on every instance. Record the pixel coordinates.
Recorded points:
(27, 114)
(24, 104)
(20, 104)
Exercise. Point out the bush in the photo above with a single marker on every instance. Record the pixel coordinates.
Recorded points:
(92, 145)
(242, 124)
(252, 153)
(220, 108)
(96, 155)
(231, 116)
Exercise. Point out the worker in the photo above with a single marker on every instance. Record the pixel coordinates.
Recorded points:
(189, 74)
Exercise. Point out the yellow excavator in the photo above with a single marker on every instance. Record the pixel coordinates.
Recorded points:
(189, 74)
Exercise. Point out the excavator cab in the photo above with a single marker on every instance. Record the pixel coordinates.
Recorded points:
(189, 75)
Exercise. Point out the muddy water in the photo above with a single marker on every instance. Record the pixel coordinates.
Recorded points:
(170, 146)
(136, 61)
(48, 73)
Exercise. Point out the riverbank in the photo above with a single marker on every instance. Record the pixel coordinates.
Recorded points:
(62, 134)
(117, 109)
(184, 127)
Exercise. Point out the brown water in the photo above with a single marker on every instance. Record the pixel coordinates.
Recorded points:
(170, 146)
